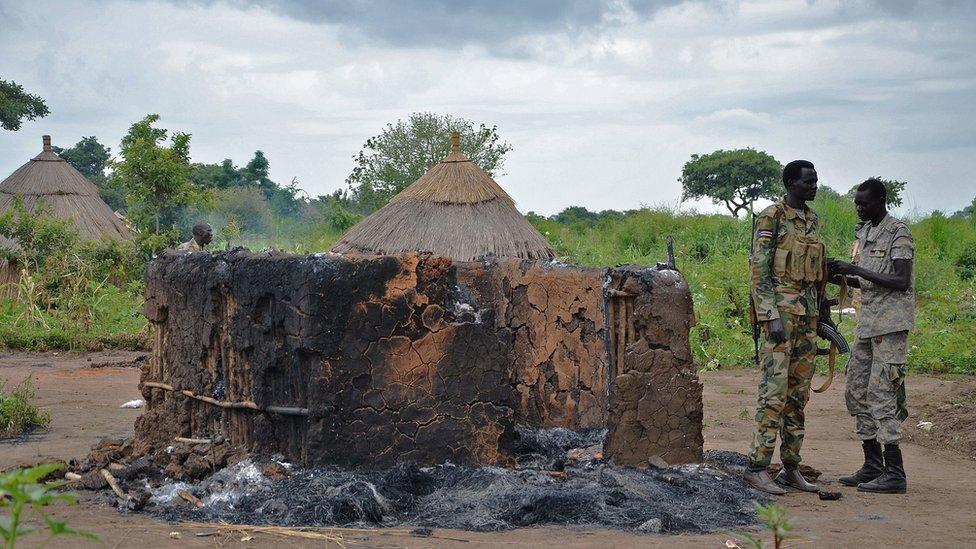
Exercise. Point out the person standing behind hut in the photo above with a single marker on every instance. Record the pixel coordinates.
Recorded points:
(202, 235)
(787, 266)
(875, 391)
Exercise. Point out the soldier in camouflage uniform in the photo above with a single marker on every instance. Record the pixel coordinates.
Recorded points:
(875, 391)
(788, 267)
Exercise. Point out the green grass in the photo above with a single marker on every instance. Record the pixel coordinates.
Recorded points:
(116, 322)
(712, 253)
(18, 414)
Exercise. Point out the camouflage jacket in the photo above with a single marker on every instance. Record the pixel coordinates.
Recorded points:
(190, 246)
(883, 311)
(788, 262)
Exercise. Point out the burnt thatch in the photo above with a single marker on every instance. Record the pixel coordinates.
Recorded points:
(455, 210)
(65, 193)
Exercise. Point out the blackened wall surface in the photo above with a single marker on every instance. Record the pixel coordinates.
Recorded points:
(392, 358)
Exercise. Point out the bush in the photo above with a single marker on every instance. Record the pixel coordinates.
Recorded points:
(966, 263)
(18, 414)
(72, 293)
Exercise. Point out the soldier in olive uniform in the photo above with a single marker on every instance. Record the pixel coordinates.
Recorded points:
(788, 267)
(202, 235)
(875, 390)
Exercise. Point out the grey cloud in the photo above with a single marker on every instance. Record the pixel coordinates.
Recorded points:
(451, 24)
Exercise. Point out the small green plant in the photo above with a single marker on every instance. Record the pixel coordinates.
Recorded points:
(18, 413)
(22, 495)
(776, 520)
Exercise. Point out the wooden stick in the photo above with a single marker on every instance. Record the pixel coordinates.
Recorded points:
(114, 484)
(244, 405)
(193, 440)
(193, 500)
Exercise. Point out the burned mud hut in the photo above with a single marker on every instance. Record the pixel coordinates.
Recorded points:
(48, 181)
(418, 346)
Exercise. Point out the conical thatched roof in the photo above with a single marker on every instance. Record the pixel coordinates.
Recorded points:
(454, 210)
(66, 194)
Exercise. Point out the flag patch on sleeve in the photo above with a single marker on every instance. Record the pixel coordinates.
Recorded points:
(764, 233)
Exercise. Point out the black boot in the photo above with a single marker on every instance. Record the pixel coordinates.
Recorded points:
(872, 468)
(893, 480)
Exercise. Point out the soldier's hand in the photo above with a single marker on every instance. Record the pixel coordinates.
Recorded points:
(836, 267)
(776, 331)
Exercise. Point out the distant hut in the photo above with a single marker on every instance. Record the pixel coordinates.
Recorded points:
(454, 210)
(66, 194)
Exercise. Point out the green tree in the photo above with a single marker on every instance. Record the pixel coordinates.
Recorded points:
(736, 178)
(16, 105)
(155, 177)
(967, 212)
(893, 192)
(403, 151)
(91, 159)
(283, 199)
(247, 206)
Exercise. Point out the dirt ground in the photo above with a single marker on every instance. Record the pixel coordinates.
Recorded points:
(937, 512)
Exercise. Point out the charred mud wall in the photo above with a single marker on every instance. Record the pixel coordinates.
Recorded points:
(358, 361)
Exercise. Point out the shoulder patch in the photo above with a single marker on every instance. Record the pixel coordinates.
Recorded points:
(764, 233)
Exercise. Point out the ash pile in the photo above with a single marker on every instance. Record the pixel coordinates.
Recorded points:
(560, 478)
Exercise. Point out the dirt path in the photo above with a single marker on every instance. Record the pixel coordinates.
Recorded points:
(937, 512)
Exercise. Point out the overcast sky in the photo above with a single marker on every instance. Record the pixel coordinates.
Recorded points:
(602, 101)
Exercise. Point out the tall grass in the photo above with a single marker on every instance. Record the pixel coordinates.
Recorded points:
(712, 252)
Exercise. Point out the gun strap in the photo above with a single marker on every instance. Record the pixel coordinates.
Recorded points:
(831, 363)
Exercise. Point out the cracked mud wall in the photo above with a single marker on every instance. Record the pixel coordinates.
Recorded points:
(394, 358)
(656, 398)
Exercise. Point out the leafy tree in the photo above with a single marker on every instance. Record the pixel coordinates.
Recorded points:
(16, 105)
(967, 212)
(403, 151)
(893, 190)
(283, 199)
(155, 177)
(736, 178)
(91, 158)
(247, 206)
(334, 209)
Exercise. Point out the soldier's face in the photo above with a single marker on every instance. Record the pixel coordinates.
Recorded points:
(805, 187)
(868, 206)
(205, 237)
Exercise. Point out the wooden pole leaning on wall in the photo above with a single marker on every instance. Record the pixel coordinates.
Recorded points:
(244, 405)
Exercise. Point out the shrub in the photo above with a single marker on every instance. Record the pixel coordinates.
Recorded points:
(18, 413)
(966, 263)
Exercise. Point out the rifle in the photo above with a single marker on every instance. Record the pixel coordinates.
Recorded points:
(826, 329)
(753, 319)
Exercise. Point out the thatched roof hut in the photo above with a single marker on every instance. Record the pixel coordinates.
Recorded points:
(66, 194)
(455, 210)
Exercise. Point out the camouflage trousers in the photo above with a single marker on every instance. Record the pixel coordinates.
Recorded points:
(787, 369)
(875, 391)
